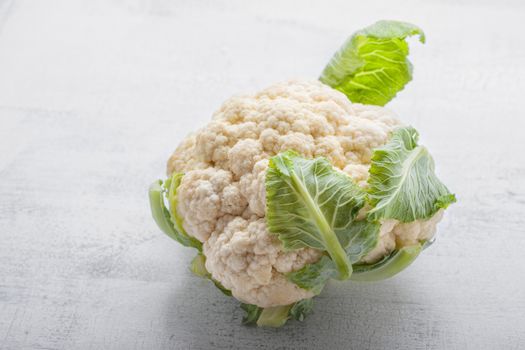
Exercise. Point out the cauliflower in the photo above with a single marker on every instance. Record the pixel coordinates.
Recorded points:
(303, 182)
(222, 194)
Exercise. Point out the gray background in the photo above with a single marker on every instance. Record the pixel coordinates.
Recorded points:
(94, 95)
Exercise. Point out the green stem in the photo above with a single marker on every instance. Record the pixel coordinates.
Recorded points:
(274, 316)
(388, 267)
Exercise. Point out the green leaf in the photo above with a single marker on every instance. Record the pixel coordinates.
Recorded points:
(274, 316)
(278, 315)
(365, 235)
(252, 313)
(372, 66)
(402, 181)
(168, 220)
(313, 277)
(389, 266)
(160, 213)
(301, 309)
(310, 204)
(198, 267)
(171, 186)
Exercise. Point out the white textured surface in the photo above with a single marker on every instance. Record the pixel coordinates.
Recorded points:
(94, 95)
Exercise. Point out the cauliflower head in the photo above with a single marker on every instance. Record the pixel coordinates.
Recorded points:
(306, 181)
(221, 198)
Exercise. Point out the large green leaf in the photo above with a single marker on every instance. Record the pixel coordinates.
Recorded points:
(168, 220)
(313, 277)
(372, 66)
(402, 181)
(310, 204)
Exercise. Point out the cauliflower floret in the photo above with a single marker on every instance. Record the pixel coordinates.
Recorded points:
(222, 195)
(421, 230)
(206, 195)
(394, 234)
(183, 158)
(253, 188)
(244, 155)
(385, 245)
(250, 262)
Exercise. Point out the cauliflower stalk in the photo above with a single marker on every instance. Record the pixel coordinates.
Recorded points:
(306, 181)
